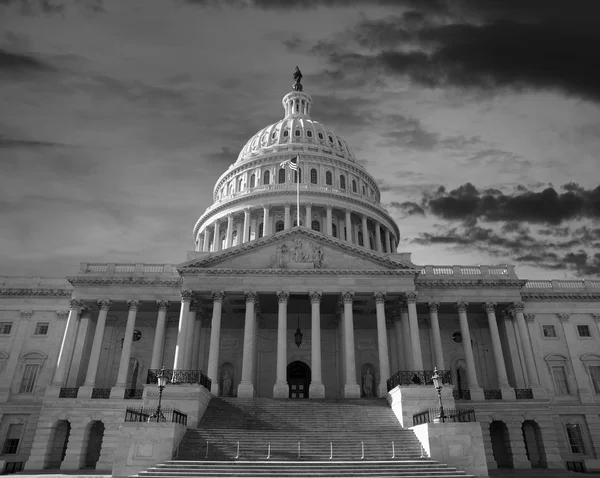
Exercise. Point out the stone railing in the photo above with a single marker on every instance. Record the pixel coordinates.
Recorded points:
(492, 394)
(450, 415)
(417, 377)
(562, 285)
(523, 394)
(116, 268)
(177, 377)
(148, 414)
(461, 394)
(68, 392)
(496, 272)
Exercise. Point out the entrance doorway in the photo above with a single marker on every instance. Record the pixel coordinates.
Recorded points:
(298, 378)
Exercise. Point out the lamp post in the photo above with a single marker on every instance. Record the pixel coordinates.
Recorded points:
(161, 379)
(437, 383)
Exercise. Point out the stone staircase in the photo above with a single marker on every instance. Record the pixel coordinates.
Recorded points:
(287, 438)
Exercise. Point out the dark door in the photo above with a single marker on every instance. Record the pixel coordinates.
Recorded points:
(298, 378)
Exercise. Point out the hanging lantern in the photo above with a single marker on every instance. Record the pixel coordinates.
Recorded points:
(298, 334)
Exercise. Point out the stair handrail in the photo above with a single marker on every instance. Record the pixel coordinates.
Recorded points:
(331, 450)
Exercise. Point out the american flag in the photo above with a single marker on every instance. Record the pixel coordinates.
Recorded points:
(292, 163)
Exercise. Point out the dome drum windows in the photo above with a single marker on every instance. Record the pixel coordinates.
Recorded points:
(321, 137)
(354, 186)
(314, 178)
(281, 176)
(266, 177)
(342, 181)
(328, 178)
(309, 133)
(286, 133)
(297, 133)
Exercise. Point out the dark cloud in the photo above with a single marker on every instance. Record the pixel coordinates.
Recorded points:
(226, 155)
(23, 143)
(428, 5)
(54, 7)
(21, 63)
(409, 208)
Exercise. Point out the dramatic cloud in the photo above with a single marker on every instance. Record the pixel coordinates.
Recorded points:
(19, 63)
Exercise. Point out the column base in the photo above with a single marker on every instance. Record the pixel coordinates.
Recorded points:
(477, 394)
(245, 390)
(508, 394)
(281, 390)
(117, 392)
(555, 462)
(316, 390)
(214, 388)
(539, 392)
(52, 391)
(351, 390)
(86, 391)
(382, 390)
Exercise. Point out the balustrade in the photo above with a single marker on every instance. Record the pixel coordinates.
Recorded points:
(68, 392)
(523, 394)
(177, 377)
(451, 415)
(492, 394)
(417, 377)
(144, 414)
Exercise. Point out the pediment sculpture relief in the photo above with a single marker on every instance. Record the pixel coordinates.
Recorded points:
(298, 254)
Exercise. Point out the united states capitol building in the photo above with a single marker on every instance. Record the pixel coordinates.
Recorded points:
(305, 304)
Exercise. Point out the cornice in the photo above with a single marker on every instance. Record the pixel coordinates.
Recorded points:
(448, 283)
(10, 292)
(98, 280)
(239, 250)
(567, 295)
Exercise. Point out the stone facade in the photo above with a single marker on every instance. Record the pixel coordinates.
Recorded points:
(322, 307)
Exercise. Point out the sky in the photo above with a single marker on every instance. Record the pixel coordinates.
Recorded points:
(479, 120)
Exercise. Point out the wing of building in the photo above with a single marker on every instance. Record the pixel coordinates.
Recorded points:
(312, 303)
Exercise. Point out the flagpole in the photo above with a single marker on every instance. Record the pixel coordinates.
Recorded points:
(298, 193)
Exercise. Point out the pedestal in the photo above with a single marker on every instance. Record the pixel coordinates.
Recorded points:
(246, 390)
(316, 390)
(85, 392)
(352, 390)
(281, 390)
(477, 394)
(117, 392)
(508, 394)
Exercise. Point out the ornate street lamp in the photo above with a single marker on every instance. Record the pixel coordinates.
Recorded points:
(161, 379)
(298, 334)
(437, 383)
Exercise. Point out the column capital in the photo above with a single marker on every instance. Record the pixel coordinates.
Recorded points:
(266, 206)
(162, 304)
(186, 295)
(86, 312)
(519, 306)
(230, 216)
(194, 305)
(433, 306)
(218, 295)
(508, 314)
(379, 297)
(76, 304)
(348, 297)
(104, 304)
(329, 207)
(133, 304)
(26, 314)
(531, 317)
(403, 307)
(315, 296)
(62, 314)
(251, 296)
(411, 297)
(287, 205)
(489, 306)
(282, 296)
(561, 317)
(462, 306)
(396, 315)
(596, 318)
(247, 210)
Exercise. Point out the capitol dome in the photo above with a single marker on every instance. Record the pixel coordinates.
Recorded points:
(257, 195)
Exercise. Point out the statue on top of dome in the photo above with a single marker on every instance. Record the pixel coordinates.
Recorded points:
(297, 77)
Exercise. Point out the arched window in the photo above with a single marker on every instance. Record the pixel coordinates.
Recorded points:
(354, 189)
(363, 190)
(342, 181)
(286, 133)
(296, 175)
(266, 177)
(281, 179)
(231, 186)
(360, 238)
(316, 226)
(297, 133)
(328, 178)
(241, 184)
(260, 230)
(279, 226)
(334, 230)
(309, 133)
(321, 136)
(252, 179)
(313, 176)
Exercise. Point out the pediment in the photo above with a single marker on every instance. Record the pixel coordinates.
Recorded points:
(297, 249)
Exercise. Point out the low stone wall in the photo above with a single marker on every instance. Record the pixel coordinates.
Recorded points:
(456, 444)
(142, 445)
(408, 400)
(191, 399)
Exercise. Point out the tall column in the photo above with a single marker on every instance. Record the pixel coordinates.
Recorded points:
(365, 232)
(398, 335)
(415, 339)
(286, 216)
(438, 351)
(407, 344)
(348, 226)
(475, 389)
(229, 233)
(184, 311)
(73, 379)
(308, 220)
(215, 342)
(514, 350)
(66, 347)
(351, 388)
(189, 335)
(382, 344)
(378, 238)
(316, 389)
(266, 228)
(246, 232)
(596, 318)
(206, 242)
(507, 391)
(92, 370)
(118, 390)
(527, 352)
(387, 240)
(196, 340)
(159, 335)
(281, 389)
(246, 386)
(329, 212)
(217, 237)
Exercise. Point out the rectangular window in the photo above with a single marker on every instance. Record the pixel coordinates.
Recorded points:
(28, 380)
(561, 385)
(575, 439)
(5, 328)
(548, 331)
(595, 374)
(41, 328)
(584, 331)
(11, 444)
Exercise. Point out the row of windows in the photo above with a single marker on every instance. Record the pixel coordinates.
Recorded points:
(561, 382)
(549, 331)
(41, 328)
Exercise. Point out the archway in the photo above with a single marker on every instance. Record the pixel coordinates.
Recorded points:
(57, 445)
(534, 445)
(95, 435)
(501, 444)
(298, 378)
